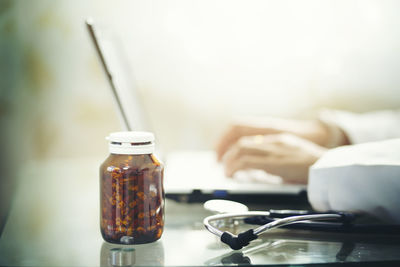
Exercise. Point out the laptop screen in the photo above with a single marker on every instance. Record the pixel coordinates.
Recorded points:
(120, 77)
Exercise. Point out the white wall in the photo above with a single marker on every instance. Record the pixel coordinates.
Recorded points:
(197, 64)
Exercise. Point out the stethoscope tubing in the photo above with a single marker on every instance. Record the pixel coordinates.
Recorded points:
(274, 224)
(243, 239)
(295, 219)
(338, 222)
(207, 221)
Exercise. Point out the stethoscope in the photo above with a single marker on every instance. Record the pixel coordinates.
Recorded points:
(305, 220)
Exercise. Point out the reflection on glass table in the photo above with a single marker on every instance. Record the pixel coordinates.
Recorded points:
(306, 252)
(132, 255)
(54, 221)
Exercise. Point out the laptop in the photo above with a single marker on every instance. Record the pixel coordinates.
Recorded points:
(189, 175)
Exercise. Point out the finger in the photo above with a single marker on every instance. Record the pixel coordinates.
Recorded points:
(239, 156)
(236, 131)
(245, 146)
(245, 162)
(230, 136)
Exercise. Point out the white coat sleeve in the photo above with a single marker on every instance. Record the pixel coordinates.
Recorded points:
(365, 127)
(361, 178)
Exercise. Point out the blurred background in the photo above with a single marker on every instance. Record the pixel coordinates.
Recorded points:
(196, 64)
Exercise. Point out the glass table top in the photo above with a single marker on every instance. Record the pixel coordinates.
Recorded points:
(54, 221)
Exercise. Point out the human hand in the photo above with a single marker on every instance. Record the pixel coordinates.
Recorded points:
(312, 130)
(285, 155)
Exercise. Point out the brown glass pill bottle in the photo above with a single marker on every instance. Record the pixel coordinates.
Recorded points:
(131, 190)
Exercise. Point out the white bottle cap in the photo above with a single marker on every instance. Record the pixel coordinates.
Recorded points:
(131, 143)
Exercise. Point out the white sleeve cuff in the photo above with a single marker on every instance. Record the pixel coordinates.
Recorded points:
(361, 178)
(366, 127)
